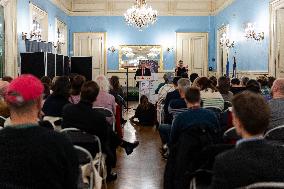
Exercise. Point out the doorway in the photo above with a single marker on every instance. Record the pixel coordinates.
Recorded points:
(192, 48)
(91, 44)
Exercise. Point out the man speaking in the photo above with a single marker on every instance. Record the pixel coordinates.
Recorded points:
(142, 71)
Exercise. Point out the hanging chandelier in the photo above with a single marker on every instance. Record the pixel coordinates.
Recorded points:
(140, 15)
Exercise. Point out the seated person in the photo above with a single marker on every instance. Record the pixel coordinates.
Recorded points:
(253, 86)
(76, 86)
(254, 159)
(193, 77)
(224, 88)
(171, 96)
(145, 113)
(176, 107)
(33, 156)
(55, 102)
(164, 90)
(166, 78)
(194, 115)
(236, 87)
(210, 96)
(277, 104)
(85, 118)
(104, 98)
(265, 90)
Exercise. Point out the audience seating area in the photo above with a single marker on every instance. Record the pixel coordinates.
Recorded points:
(193, 142)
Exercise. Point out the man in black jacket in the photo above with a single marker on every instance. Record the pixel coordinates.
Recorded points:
(143, 71)
(253, 160)
(85, 118)
(33, 156)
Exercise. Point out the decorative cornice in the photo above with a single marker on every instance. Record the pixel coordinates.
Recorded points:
(213, 11)
(223, 6)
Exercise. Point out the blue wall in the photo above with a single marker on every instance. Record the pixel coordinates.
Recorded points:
(163, 32)
(251, 55)
(24, 17)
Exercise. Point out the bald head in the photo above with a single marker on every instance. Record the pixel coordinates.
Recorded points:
(278, 88)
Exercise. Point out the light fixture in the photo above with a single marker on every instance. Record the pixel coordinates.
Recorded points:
(140, 15)
(225, 41)
(250, 33)
(112, 49)
(170, 49)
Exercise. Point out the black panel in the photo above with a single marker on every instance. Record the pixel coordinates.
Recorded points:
(50, 65)
(59, 65)
(33, 63)
(82, 66)
(66, 65)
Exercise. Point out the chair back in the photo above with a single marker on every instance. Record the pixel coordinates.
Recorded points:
(2, 121)
(264, 185)
(231, 135)
(53, 121)
(276, 133)
(227, 105)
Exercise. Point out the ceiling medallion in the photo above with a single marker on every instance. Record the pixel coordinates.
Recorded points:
(140, 15)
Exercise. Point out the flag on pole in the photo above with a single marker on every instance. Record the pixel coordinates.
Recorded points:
(228, 68)
(235, 68)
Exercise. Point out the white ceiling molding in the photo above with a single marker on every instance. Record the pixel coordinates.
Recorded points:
(164, 7)
(3, 2)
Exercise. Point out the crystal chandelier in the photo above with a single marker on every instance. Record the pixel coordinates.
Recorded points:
(140, 15)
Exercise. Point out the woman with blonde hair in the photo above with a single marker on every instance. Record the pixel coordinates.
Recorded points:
(105, 99)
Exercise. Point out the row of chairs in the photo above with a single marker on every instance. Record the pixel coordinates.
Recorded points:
(197, 178)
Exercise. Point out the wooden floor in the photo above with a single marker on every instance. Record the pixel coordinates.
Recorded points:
(144, 168)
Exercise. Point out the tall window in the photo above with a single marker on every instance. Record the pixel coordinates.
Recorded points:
(2, 41)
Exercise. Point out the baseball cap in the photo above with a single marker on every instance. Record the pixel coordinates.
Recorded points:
(23, 89)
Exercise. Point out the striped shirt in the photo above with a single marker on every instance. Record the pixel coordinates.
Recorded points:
(212, 99)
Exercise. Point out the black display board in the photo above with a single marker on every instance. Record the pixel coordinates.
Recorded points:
(50, 65)
(33, 63)
(66, 65)
(59, 65)
(82, 66)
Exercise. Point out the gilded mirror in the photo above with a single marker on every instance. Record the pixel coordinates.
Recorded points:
(131, 55)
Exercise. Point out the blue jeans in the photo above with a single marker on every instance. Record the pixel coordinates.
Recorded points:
(165, 132)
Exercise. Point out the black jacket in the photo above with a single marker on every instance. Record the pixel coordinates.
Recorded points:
(185, 152)
(139, 72)
(170, 96)
(250, 162)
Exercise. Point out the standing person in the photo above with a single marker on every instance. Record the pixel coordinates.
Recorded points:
(143, 70)
(254, 160)
(33, 156)
(180, 69)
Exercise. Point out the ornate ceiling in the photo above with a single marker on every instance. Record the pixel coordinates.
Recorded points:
(165, 7)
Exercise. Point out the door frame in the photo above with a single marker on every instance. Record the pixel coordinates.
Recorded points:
(206, 71)
(273, 55)
(104, 56)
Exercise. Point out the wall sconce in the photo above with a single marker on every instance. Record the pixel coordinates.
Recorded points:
(24, 35)
(250, 33)
(112, 49)
(225, 41)
(170, 49)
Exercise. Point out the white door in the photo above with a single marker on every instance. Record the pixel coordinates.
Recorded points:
(280, 43)
(91, 44)
(192, 48)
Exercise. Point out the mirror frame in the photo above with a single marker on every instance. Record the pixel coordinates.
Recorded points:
(161, 65)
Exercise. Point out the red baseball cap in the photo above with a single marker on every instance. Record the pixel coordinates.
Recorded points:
(23, 89)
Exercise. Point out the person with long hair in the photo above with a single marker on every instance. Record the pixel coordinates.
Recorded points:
(145, 113)
(55, 102)
(116, 89)
(76, 86)
(224, 88)
(210, 96)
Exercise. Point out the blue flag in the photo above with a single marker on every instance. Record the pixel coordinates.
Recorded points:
(228, 68)
(235, 68)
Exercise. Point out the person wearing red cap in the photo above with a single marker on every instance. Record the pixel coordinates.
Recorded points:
(33, 156)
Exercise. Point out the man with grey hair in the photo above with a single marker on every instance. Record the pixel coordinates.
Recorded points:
(277, 104)
(176, 106)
